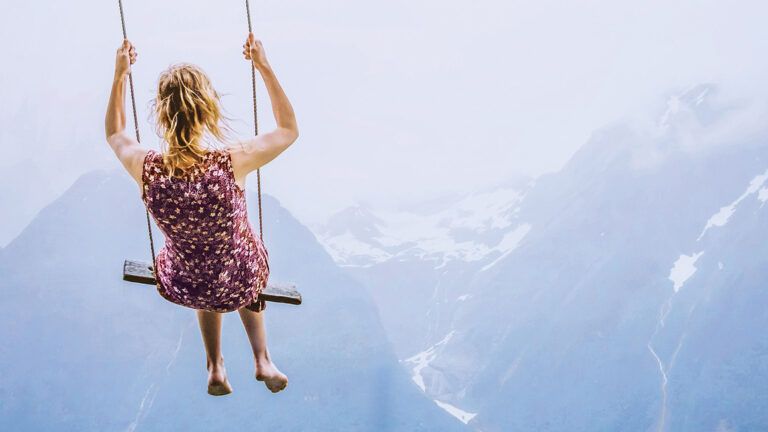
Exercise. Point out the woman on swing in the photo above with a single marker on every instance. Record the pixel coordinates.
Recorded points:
(211, 261)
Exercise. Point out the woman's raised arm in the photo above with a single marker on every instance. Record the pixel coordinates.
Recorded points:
(259, 150)
(126, 147)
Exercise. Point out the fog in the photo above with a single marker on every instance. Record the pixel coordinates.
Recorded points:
(396, 101)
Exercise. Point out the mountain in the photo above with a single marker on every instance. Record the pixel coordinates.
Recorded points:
(636, 298)
(418, 261)
(83, 350)
(469, 229)
(403, 253)
(27, 196)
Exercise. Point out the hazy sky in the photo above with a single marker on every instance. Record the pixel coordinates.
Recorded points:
(395, 100)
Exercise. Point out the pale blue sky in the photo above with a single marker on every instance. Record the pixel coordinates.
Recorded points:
(395, 100)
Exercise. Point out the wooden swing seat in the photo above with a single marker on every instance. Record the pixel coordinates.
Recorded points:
(142, 272)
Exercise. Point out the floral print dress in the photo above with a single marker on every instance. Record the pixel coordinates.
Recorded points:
(211, 259)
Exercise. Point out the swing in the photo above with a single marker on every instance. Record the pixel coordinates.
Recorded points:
(143, 272)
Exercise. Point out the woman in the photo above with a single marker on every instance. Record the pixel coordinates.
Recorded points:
(211, 261)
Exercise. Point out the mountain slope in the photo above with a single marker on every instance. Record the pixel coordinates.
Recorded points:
(594, 326)
(84, 350)
(417, 260)
(634, 301)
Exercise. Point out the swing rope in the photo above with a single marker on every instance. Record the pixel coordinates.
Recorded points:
(255, 128)
(136, 129)
(255, 120)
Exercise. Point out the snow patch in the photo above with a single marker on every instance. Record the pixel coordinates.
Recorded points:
(463, 297)
(424, 358)
(467, 230)
(681, 103)
(345, 247)
(721, 218)
(683, 269)
(144, 406)
(673, 107)
(701, 97)
(762, 195)
(460, 414)
(176, 351)
(664, 381)
(509, 243)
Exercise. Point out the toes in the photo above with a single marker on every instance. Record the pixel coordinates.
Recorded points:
(282, 387)
(218, 390)
(277, 388)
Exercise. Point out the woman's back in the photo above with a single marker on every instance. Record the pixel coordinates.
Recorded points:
(212, 259)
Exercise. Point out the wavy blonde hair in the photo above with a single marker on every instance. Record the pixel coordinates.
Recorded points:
(187, 113)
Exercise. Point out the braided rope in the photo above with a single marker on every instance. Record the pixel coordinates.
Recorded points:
(255, 121)
(138, 137)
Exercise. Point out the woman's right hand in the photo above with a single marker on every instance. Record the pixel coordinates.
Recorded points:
(253, 50)
(126, 56)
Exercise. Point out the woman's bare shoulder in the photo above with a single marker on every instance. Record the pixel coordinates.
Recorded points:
(238, 155)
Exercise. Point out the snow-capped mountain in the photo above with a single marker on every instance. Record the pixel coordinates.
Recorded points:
(475, 228)
(417, 260)
(425, 252)
(635, 300)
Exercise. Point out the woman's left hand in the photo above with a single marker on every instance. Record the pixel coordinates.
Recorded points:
(126, 56)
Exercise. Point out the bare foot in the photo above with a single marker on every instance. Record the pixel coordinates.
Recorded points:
(218, 385)
(267, 371)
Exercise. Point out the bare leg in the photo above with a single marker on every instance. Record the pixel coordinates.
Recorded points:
(265, 370)
(210, 328)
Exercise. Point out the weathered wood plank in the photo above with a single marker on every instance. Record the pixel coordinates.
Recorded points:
(142, 272)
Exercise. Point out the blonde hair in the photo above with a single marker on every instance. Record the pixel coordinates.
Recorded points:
(187, 112)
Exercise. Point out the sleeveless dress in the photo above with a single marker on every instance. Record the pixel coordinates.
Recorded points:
(211, 259)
